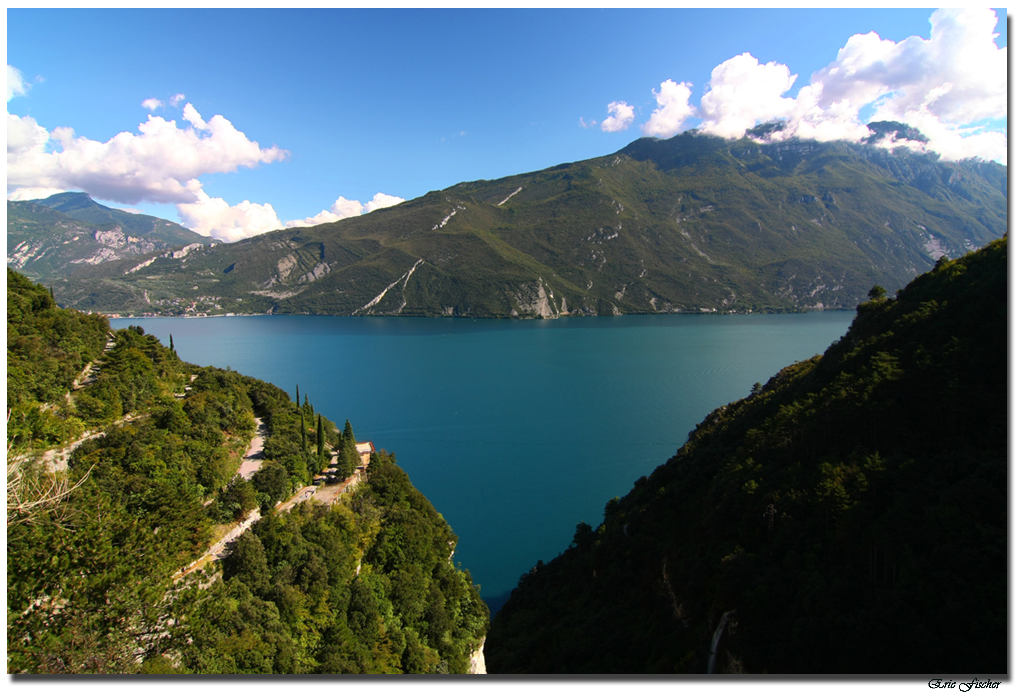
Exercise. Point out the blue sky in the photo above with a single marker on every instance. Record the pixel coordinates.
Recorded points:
(346, 104)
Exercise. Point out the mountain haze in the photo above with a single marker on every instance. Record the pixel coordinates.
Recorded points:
(686, 224)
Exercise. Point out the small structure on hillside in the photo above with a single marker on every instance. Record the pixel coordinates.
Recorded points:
(365, 449)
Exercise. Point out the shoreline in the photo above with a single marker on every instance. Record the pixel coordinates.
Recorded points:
(701, 312)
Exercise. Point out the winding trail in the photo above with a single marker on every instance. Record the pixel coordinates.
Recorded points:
(254, 458)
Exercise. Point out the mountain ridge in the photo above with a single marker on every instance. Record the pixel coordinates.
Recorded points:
(693, 223)
(54, 238)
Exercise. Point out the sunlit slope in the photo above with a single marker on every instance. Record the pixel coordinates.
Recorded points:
(685, 224)
(58, 237)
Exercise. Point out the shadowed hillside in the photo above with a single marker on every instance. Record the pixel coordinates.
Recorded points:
(850, 516)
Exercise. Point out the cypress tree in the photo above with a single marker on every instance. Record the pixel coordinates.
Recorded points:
(171, 346)
(320, 437)
(303, 432)
(297, 395)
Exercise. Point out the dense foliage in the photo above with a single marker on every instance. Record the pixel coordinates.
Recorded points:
(94, 575)
(850, 516)
(46, 350)
(688, 223)
(367, 587)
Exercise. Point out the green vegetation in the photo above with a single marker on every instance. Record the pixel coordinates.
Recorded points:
(95, 551)
(46, 350)
(54, 238)
(689, 223)
(850, 516)
(365, 587)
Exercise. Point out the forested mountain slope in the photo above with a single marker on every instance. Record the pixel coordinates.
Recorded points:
(685, 224)
(850, 516)
(96, 545)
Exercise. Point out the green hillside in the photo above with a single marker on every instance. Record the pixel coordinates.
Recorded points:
(79, 205)
(685, 224)
(121, 472)
(56, 238)
(850, 516)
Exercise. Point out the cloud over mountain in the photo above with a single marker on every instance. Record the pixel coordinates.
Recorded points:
(344, 208)
(674, 108)
(162, 163)
(953, 87)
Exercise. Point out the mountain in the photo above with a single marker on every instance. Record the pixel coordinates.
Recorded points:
(54, 238)
(849, 516)
(122, 473)
(81, 206)
(690, 223)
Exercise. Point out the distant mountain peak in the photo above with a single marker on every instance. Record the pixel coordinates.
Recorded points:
(69, 201)
(886, 128)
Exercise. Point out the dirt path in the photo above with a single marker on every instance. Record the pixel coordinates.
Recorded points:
(321, 494)
(56, 459)
(218, 549)
(254, 457)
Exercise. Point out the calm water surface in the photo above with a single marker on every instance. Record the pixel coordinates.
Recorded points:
(515, 430)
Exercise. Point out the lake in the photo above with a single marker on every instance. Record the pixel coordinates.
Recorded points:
(516, 430)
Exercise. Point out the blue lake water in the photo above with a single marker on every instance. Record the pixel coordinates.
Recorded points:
(515, 430)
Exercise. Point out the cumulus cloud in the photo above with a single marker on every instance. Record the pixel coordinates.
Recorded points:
(743, 92)
(16, 85)
(380, 201)
(162, 163)
(212, 216)
(953, 87)
(344, 208)
(152, 104)
(176, 99)
(25, 193)
(621, 117)
(674, 108)
(587, 125)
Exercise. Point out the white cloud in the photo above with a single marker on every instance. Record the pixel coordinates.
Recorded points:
(160, 164)
(152, 104)
(176, 99)
(743, 92)
(344, 208)
(212, 216)
(16, 85)
(380, 201)
(24, 193)
(949, 86)
(674, 108)
(587, 125)
(621, 117)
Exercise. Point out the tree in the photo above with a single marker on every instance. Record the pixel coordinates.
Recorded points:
(878, 292)
(320, 437)
(303, 432)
